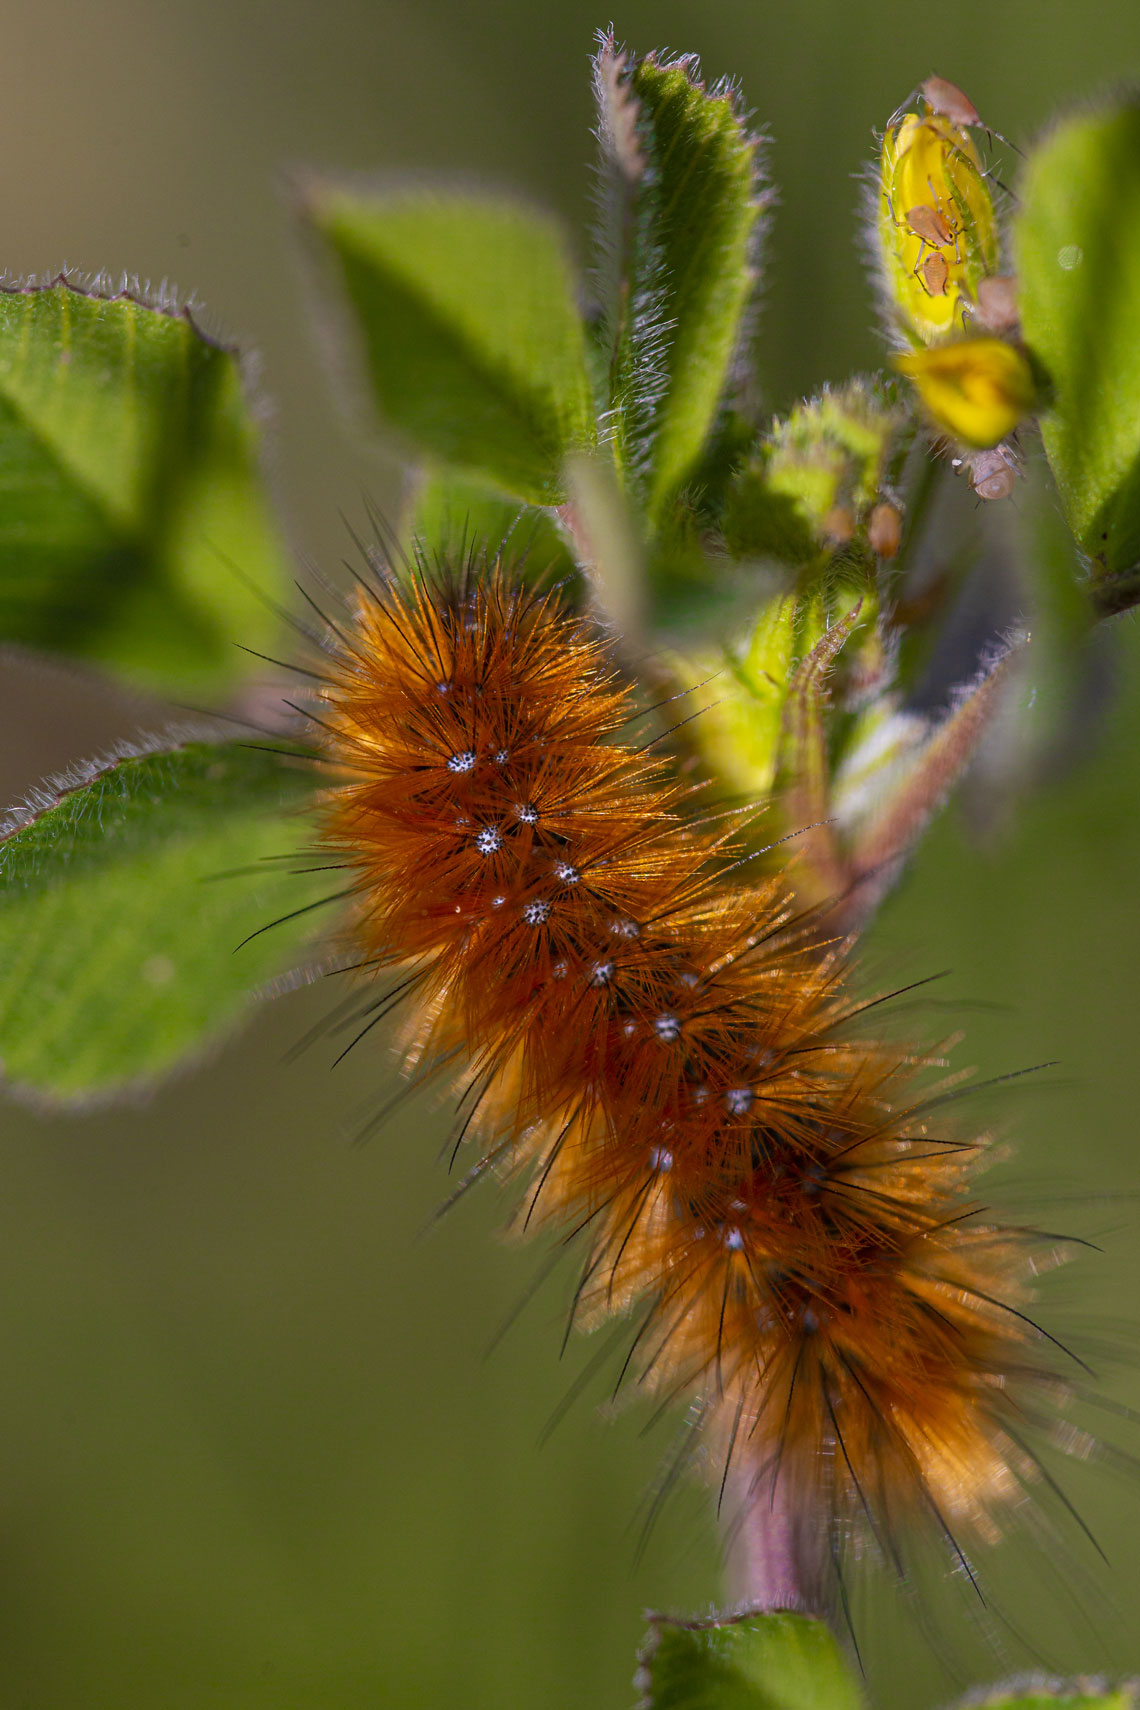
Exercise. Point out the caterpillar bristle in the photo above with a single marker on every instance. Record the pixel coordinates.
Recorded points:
(677, 1071)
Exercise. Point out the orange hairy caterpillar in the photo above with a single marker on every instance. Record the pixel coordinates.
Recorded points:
(668, 1061)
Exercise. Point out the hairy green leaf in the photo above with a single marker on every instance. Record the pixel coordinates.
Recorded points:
(1078, 257)
(678, 244)
(780, 1661)
(1062, 1695)
(135, 531)
(125, 897)
(465, 308)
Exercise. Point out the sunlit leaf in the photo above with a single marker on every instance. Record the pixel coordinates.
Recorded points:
(1078, 256)
(125, 896)
(134, 527)
(466, 315)
(679, 238)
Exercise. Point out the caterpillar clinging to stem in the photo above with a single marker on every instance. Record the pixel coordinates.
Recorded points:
(673, 1063)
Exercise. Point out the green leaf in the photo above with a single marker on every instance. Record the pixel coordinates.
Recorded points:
(761, 1662)
(1061, 1695)
(466, 310)
(450, 517)
(684, 276)
(1078, 256)
(134, 530)
(125, 894)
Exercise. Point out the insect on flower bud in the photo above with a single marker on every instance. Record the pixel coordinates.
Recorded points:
(996, 305)
(937, 228)
(976, 389)
(944, 97)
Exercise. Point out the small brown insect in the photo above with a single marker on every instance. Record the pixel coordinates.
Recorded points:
(996, 306)
(935, 273)
(929, 223)
(950, 102)
(884, 530)
(993, 474)
(944, 97)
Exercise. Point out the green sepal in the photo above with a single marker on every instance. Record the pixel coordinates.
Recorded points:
(126, 892)
(135, 532)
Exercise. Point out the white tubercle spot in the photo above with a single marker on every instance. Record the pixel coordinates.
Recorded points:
(497, 902)
(738, 1101)
(527, 813)
(559, 971)
(667, 1027)
(600, 973)
(464, 762)
(501, 757)
(629, 1028)
(660, 1159)
(700, 1095)
(567, 874)
(534, 913)
(488, 840)
(625, 928)
(733, 1240)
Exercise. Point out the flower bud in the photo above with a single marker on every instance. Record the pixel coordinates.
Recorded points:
(938, 233)
(976, 389)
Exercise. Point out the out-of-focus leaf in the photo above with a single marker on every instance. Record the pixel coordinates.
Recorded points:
(450, 518)
(780, 1661)
(734, 706)
(466, 313)
(125, 895)
(134, 527)
(682, 274)
(607, 544)
(1078, 257)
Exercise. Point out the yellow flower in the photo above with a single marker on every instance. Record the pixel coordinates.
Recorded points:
(977, 389)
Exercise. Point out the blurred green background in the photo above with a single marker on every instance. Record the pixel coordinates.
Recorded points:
(252, 1452)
